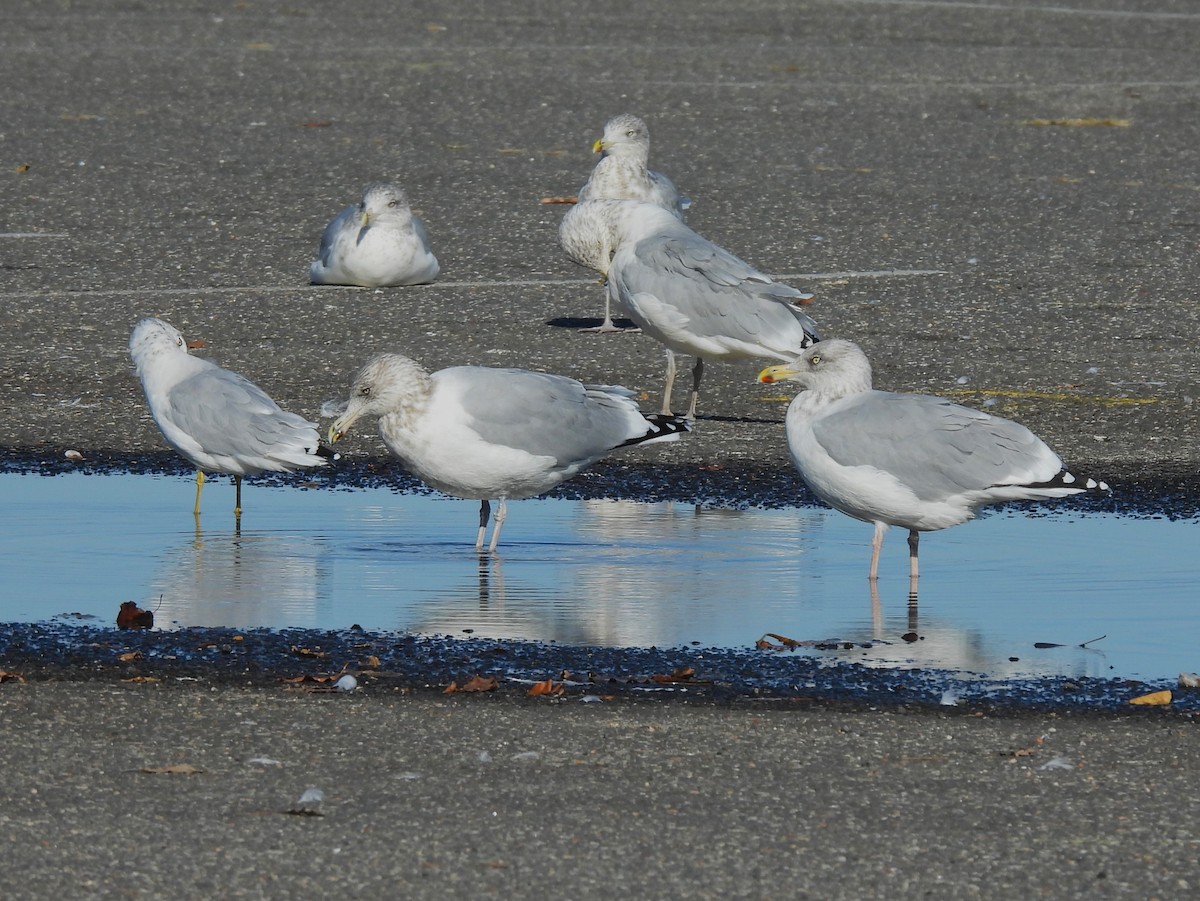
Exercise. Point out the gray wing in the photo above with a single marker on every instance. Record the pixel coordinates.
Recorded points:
(935, 447)
(228, 415)
(418, 228)
(543, 414)
(342, 223)
(666, 195)
(720, 293)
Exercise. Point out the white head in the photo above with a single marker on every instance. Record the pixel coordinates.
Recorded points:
(382, 202)
(835, 367)
(152, 339)
(388, 383)
(625, 136)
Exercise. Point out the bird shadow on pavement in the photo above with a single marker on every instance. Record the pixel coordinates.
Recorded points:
(577, 323)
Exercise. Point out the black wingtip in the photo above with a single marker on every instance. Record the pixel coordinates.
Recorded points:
(1067, 479)
(661, 426)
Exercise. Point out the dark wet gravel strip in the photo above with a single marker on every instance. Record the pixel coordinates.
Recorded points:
(311, 660)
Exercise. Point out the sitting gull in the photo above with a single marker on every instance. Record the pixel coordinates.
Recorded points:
(377, 242)
(480, 433)
(216, 419)
(910, 460)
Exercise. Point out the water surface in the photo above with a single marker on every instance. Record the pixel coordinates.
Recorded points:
(610, 573)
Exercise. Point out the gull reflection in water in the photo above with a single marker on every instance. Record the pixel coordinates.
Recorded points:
(627, 573)
(908, 640)
(241, 580)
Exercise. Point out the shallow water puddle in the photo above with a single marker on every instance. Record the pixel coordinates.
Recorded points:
(614, 573)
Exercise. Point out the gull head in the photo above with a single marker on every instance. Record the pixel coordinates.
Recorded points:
(624, 135)
(382, 201)
(835, 367)
(154, 338)
(387, 384)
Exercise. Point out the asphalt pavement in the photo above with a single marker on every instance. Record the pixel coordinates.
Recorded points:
(999, 200)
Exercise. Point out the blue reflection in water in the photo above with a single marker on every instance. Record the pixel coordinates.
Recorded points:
(615, 573)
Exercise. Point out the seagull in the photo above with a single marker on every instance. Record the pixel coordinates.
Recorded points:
(479, 433)
(621, 173)
(217, 420)
(377, 242)
(910, 460)
(686, 292)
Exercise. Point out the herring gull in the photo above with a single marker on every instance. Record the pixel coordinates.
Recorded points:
(377, 242)
(622, 173)
(217, 420)
(479, 433)
(686, 292)
(910, 460)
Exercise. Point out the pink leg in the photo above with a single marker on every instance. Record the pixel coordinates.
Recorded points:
(498, 519)
(666, 404)
(876, 547)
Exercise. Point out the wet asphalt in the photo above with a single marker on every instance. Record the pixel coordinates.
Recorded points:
(999, 201)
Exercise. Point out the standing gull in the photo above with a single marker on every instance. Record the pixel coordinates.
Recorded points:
(622, 174)
(686, 292)
(377, 242)
(480, 433)
(910, 460)
(216, 419)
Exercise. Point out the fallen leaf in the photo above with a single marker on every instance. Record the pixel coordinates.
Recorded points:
(1155, 698)
(130, 655)
(197, 343)
(784, 640)
(560, 200)
(174, 769)
(477, 683)
(680, 674)
(24, 167)
(372, 662)
(131, 616)
(142, 679)
(6, 676)
(309, 652)
(1079, 123)
(548, 687)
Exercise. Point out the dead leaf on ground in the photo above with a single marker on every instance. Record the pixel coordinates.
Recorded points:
(6, 676)
(174, 769)
(371, 662)
(549, 687)
(560, 200)
(309, 652)
(1155, 698)
(680, 674)
(1079, 122)
(142, 679)
(476, 683)
(131, 616)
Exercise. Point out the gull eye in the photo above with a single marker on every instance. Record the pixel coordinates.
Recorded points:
(393, 203)
(814, 360)
(364, 391)
(179, 341)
